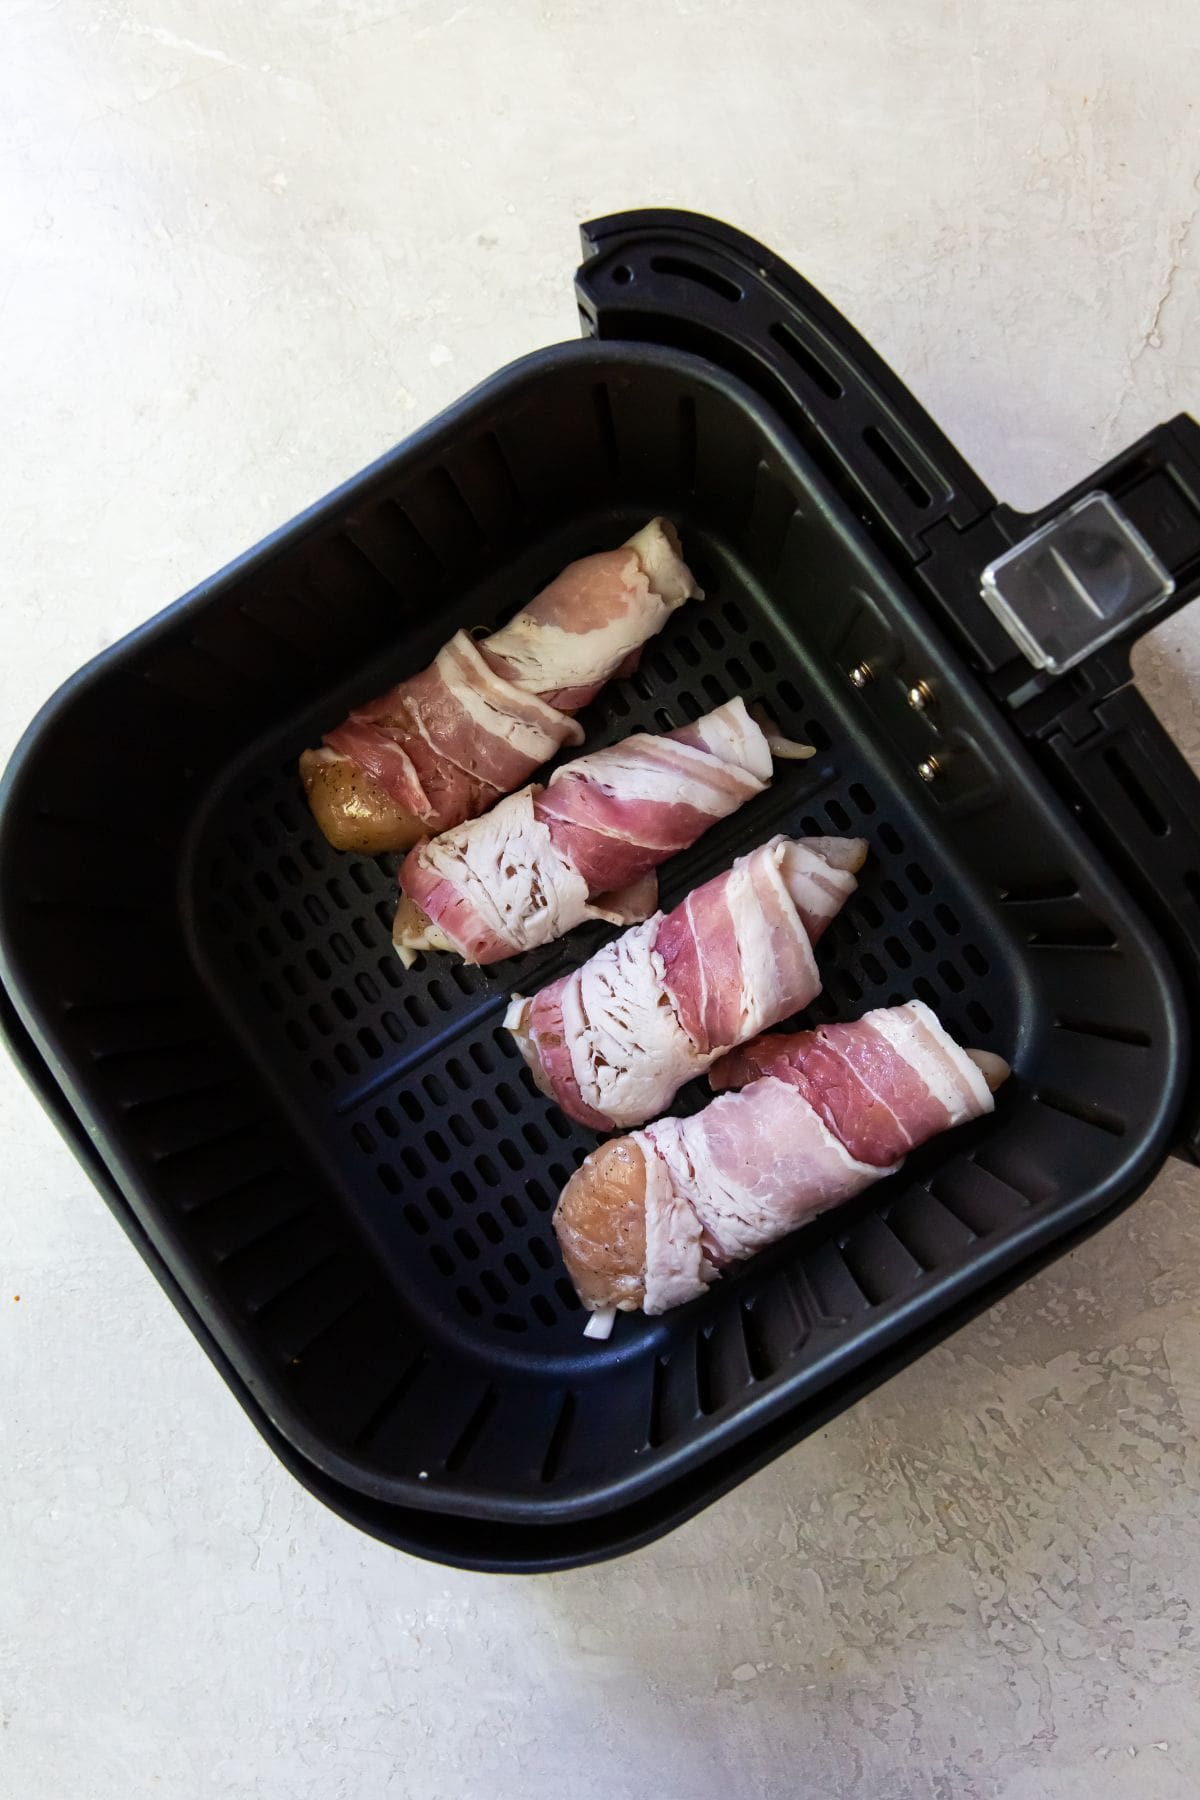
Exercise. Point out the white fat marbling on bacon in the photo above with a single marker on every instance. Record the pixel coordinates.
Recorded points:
(639, 1020)
(737, 955)
(917, 1034)
(580, 630)
(818, 884)
(611, 817)
(664, 771)
(677, 1269)
(827, 1113)
(733, 737)
(499, 708)
(504, 873)
(628, 1052)
(753, 1166)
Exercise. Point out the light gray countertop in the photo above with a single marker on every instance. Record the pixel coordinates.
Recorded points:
(245, 248)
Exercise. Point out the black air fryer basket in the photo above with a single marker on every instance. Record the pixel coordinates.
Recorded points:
(342, 1173)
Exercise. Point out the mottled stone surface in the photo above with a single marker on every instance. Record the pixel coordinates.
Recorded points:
(244, 248)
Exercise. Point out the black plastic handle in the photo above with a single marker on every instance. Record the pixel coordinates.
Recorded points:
(1104, 746)
(681, 279)
(690, 282)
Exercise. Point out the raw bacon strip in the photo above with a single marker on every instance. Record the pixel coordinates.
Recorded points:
(591, 622)
(652, 1219)
(614, 1041)
(464, 734)
(890, 1080)
(444, 744)
(585, 846)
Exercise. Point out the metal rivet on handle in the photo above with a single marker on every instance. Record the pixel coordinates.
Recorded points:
(920, 695)
(929, 769)
(860, 674)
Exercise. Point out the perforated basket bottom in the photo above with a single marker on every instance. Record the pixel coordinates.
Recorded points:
(346, 1166)
(406, 1084)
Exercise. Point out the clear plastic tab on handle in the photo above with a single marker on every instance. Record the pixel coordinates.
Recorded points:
(1075, 584)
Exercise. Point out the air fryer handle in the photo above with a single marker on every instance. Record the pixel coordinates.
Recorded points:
(1099, 739)
(691, 283)
(687, 281)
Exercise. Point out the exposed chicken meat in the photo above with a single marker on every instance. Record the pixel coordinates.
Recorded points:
(444, 744)
(835, 1110)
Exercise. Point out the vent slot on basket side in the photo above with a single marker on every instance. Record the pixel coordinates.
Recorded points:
(686, 270)
(807, 361)
(910, 484)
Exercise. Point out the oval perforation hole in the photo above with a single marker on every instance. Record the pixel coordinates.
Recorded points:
(466, 1244)
(568, 1298)
(463, 1186)
(537, 1194)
